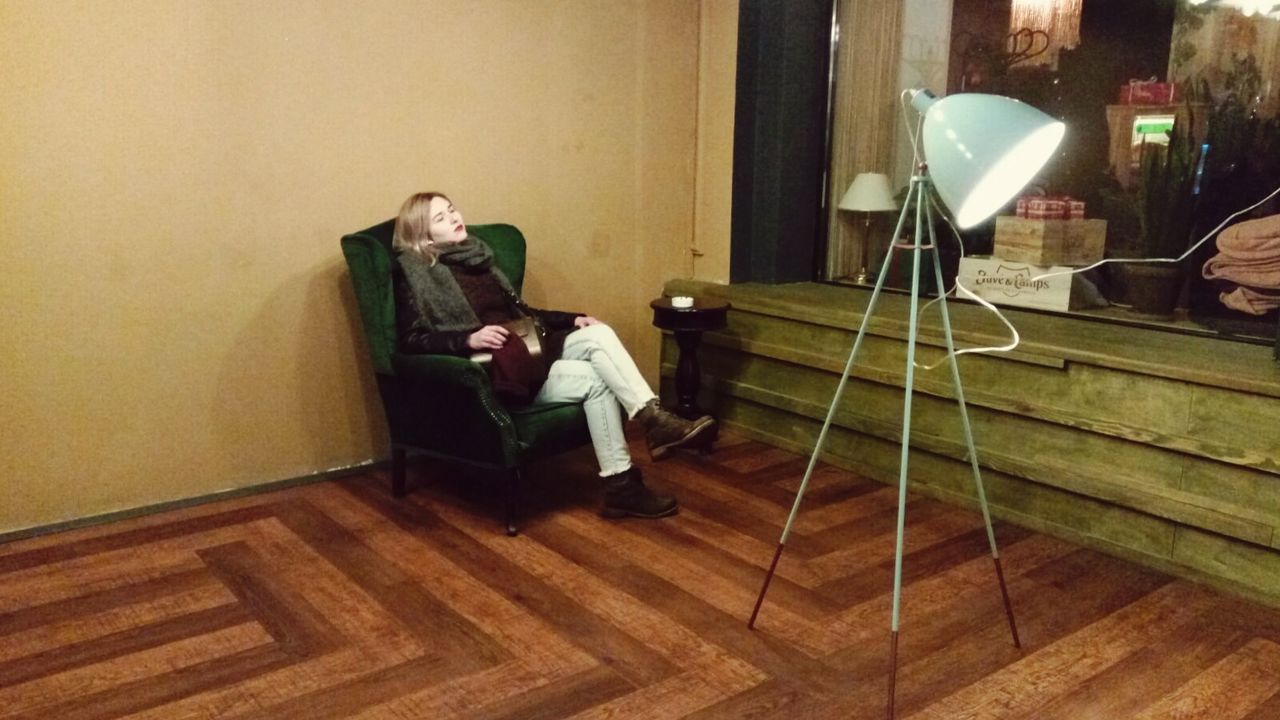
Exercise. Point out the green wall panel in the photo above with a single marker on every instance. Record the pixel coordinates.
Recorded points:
(1109, 438)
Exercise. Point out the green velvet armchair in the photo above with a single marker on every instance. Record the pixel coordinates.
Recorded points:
(444, 405)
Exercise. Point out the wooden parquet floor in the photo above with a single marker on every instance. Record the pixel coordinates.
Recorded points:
(333, 600)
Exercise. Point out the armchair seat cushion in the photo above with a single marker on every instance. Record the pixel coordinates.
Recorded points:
(548, 428)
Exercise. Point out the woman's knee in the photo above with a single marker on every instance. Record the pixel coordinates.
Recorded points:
(598, 388)
(599, 333)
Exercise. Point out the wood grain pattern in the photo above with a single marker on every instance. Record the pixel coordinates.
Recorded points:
(335, 600)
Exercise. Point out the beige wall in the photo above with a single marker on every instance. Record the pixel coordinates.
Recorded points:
(717, 75)
(176, 175)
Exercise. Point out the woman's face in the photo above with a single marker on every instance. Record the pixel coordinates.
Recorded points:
(446, 222)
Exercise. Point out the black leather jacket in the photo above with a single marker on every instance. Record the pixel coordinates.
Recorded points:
(414, 336)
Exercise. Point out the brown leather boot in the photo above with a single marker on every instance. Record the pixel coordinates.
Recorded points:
(625, 495)
(665, 431)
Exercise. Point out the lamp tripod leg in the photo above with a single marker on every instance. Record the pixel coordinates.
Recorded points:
(831, 412)
(968, 433)
(922, 199)
(893, 671)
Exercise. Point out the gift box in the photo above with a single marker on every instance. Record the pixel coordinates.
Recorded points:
(1042, 208)
(1075, 209)
(1052, 241)
(1050, 207)
(1148, 92)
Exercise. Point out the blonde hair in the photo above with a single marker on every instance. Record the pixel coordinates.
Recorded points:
(413, 226)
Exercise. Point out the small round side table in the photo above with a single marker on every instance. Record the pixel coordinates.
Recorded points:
(688, 324)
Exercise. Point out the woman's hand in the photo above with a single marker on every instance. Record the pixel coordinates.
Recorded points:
(584, 320)
(489, 337)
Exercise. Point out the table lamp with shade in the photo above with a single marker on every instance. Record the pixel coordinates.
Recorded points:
(979, 151)
(868, 193)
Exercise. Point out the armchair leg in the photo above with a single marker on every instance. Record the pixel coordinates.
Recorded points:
(514, 481)
(397, 471)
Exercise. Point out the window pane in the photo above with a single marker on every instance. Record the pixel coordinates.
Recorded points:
(1171, 113)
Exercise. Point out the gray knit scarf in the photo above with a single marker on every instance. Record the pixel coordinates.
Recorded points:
(440, 301)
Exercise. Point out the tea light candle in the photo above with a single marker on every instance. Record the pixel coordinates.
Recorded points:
(681, 301)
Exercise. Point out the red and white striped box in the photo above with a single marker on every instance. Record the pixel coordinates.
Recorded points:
(1050, 207)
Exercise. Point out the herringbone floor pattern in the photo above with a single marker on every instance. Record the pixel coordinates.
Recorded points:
(333, 600)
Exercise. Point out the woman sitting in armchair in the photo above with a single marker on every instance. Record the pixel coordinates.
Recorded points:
(451, 299)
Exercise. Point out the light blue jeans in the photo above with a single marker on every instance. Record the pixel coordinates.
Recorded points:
(597, 371)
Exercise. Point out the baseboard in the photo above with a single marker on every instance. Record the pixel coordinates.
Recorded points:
(192, 501)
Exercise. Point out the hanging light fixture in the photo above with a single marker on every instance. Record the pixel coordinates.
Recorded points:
(1059, 19)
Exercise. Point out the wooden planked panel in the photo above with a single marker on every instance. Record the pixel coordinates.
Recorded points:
(1217, 556)
(1237, 419)
(709, 558)
(1234, 487)
(370, 638)
(674, 697)
(81, 689)
(1267, 710)
(265, 679)
(353, 694)
(122, 642)
(156, 690)
(629, 657)
(1202, 360)
(942, 607)
(1125, 688)
(1017, 499)
(1083, 396)
(77, 606)
(520, 633)
(51, 637)
(462, 696)
(583, 617)
(562, 698)
(1018, 687)
(1110, 468)
(678, 645)
(93, 543)
(110, 567)
(684, 605)
(813, 638)
(293, 622)
(430, 620)
(1229, 690)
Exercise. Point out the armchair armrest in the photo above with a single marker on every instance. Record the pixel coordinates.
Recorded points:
(448, 406)
(440, 368)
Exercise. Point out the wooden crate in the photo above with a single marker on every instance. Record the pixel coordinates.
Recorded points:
(1050, 242)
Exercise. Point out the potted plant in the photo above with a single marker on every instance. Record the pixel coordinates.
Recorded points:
(1165, 203)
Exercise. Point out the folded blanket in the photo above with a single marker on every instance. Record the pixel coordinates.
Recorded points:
(1248, 300)
(1255, 274)
(1252, 239)
(1248, 254)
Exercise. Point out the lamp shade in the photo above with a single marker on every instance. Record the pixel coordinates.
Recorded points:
(869, 192)
(983, 149)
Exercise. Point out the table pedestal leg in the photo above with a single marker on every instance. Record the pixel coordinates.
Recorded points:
(688, 374)
(688, 380)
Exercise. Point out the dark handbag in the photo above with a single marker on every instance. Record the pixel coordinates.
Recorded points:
(530, 333)
(519, 368)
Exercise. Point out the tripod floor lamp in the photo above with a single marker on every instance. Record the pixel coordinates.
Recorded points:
(980, 151)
